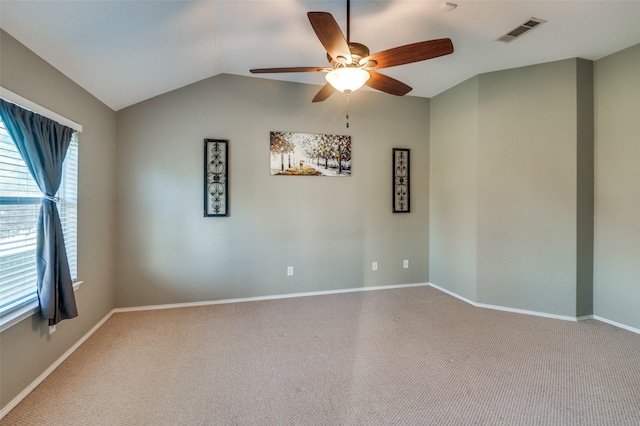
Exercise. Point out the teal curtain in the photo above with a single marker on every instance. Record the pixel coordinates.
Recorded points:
(43, 144)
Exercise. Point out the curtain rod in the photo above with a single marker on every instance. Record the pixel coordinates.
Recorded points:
(14, 98)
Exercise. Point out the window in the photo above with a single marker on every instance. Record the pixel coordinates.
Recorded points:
(20, 200)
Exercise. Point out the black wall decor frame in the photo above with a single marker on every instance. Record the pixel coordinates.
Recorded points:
(216, 177)
(401, 194)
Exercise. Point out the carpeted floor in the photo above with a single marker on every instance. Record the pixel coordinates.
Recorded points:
(410, 356)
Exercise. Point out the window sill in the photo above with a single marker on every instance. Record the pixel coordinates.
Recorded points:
(14, 317)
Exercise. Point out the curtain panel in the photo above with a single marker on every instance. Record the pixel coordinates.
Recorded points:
(43, 144)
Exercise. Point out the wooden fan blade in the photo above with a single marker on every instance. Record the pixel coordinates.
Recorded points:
(291, 69)
(324, 93)
(387, 84)
(329, 34)
(409, 53)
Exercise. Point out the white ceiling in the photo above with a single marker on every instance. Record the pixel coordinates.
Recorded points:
(124, 52)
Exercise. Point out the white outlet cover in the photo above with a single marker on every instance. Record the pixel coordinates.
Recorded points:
(374, 266)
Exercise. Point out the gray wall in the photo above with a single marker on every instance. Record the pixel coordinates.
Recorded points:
(617, 222)
(454, 189)
(329, 228)
(26, 350)
(517, 188)
(527, 188)
(585, 191)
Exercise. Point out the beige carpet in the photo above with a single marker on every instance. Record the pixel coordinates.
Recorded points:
(411, 356)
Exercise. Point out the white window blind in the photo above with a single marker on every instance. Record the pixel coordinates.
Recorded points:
(20, 200)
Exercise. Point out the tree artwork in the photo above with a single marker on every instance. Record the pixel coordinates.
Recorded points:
(308, 154)
(281, 145)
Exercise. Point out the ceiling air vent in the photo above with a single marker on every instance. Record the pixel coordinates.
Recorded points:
(521, 30)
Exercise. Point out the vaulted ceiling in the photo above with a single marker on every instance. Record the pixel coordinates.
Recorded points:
(124, 52)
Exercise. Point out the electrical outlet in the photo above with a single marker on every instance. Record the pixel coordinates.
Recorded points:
(52, 329)
(405, 264)
(289, 270)
(374, 266)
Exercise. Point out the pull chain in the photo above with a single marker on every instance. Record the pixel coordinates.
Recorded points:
(347, 111)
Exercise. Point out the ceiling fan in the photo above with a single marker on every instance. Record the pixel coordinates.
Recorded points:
(353, 66)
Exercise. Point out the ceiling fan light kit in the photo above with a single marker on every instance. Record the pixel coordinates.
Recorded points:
(347, 79)
(351, 64)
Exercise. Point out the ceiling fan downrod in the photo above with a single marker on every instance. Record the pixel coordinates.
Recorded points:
(348, 21)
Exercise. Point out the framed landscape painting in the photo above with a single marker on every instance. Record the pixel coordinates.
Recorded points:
(308, 154)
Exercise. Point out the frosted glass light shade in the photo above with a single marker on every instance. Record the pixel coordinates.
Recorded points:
(347, 79)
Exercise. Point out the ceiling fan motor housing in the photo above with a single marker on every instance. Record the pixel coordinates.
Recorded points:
(358, 52)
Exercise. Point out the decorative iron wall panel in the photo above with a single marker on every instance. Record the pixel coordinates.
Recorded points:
(401, 181)
(216, 177)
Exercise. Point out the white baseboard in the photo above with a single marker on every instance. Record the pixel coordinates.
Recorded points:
(535, 313)
(504, 308)
(527, 312)
(584, 318)
(22, 395)
(451, 293)
(261, 298)
(617, 324)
